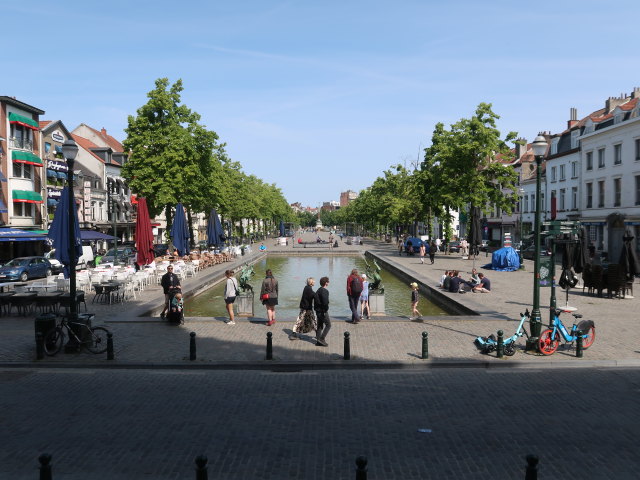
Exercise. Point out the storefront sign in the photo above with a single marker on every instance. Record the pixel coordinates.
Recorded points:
(54, 193)
(56, 136)
(57, 166)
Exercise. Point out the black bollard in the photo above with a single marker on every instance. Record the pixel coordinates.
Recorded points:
(347, 346)
(361, 468)
(579, 348)
(45, 466)
(39, 346)
(110, 355)
(269, 346)
(500, 344)
(425, 345)
(201, 468)
(532, 468)
(192, 346)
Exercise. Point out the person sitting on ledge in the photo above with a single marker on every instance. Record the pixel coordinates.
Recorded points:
(485, 284)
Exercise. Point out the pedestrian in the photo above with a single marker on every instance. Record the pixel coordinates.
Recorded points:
(485, 284)
(447, 281)
(438, 244)
(422, 251)
(442, 278)
(176, 314)
(322, 313)
(306, 320)
(170, 283)
(230, 294)
(354, 289)
(414, 301)
(364, 298)
(269, 296)
(455, 283)
(432, 251)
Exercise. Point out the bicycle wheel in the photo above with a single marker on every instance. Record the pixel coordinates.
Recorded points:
(548, 343)
(53, 341)
(590, 337)
(510, 349)
(98, 341)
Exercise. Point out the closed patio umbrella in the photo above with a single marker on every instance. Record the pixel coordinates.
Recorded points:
(215, 233)
(628, 259)
(59, 232)
(144, 235)
(281, 228)
(180, 232)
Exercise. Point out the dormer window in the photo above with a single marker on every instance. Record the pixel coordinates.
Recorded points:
(574, 138)
(554, 146)
(617, 118)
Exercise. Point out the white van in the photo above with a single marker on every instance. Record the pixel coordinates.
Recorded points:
(83, 260)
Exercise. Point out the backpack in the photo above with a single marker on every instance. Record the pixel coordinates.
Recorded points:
(356, 286)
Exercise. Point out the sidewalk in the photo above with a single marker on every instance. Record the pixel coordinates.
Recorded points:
(142, 340)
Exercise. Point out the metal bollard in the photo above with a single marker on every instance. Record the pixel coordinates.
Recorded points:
(532, 468)
(192, 346)
(39, 346)
(347, 346)
(579, 348)
(269, 346)
(110, 355)
(500, 344)
(361, 468)
(45, 466)
(201, 468)
(425, 345)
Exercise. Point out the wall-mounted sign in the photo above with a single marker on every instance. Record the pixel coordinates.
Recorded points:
(54, 193)
(56, 136)
(57, 165)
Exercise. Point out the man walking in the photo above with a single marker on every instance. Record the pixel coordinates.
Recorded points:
(322, 313)
(354, 289)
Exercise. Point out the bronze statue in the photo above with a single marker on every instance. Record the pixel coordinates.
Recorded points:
(245, 275)
(375, 280)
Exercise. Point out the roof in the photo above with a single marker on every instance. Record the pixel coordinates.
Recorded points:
(88, 145)
(21, 105)
(115, 145)
(44, 123)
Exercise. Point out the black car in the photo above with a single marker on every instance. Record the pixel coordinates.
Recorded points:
(454, 247)
(530, 252)
(161, 249)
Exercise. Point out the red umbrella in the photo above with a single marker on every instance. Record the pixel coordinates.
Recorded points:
(144, 236)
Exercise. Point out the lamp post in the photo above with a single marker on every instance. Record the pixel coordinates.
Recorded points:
(539, 149)
(69, 151)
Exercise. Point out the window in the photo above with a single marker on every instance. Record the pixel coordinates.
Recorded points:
(574, 169)
(22, 209)
(22, 170)
(601, 158)
(554, 146)
(563, 195)
(21, 137)
(574, 138)
(574, 198)
(589, 195)
(533, 202)
(100, 212)
(601, 194)
(589, 160)
(562, 174)
(526, 197)
(637, 189)
(617, 154)
(553, 174)
(47, 147)
(617, 192)
(637, 143)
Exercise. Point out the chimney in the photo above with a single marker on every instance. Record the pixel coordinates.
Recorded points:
(573, 117)
(613, 102)
(103, 132)
(521, 148)
(636, 92)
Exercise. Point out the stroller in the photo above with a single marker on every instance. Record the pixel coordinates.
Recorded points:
(176, 309)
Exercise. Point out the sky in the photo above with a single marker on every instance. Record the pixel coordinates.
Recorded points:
(322, 97)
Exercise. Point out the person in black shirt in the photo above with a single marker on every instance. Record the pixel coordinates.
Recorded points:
(306, 319)
(171, 285)
(322, 312)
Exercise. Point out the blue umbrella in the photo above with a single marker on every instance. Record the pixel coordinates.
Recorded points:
(59, 232)
(180, 232)
(281, 228)
(215, 233)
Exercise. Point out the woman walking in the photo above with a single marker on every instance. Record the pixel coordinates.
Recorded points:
(423, 250)
(269, 296)
(306, 321)
(230, 294)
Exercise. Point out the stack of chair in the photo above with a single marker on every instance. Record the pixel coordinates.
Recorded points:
(615, 281)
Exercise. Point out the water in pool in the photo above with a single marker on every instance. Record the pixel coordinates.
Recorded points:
(292, 273)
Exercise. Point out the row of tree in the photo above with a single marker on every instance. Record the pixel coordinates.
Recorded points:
(174, 158)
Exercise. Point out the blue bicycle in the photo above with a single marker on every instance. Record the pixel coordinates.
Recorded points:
(550, 338)
(489, 344)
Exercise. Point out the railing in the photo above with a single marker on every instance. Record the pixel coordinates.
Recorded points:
(23, 144)
(46, 471)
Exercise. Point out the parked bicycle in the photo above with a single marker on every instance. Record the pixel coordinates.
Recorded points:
(93, 339)
(550, 338)
(490, 343)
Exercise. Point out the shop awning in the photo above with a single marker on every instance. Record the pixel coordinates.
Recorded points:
(62, 175)
(24, 121)
(52, 202)
(25, 196)
(52, 173)
(93, 235)
(26, 157)
(15, 235)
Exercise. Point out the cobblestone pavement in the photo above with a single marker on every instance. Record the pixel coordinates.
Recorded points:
(136, 424)
(141, 339)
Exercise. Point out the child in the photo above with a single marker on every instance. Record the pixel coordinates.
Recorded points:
(364, 298)
(177, 305)
(414, 301)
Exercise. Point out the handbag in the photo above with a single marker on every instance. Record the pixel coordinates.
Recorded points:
(264, 296)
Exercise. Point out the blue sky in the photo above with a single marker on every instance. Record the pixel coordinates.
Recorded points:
(321, 97)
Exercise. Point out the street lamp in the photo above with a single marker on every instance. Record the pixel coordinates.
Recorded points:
(69, 151)
(539, 149)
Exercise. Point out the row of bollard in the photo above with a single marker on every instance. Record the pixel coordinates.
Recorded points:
(531, 472)
(347, 346)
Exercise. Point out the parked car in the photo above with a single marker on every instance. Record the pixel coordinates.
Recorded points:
(83, 261)
(530, 252)
(161, 249)
(24, 268)
(56, 266)
(125, 255)
(454, 246)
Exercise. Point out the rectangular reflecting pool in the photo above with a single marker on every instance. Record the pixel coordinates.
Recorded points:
(292, 273)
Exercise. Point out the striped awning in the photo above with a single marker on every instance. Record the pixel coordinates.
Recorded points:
(26, 196)
(29, 158)
(24, 121)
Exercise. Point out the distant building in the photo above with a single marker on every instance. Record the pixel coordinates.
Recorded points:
(330, 206)
(346, 197)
